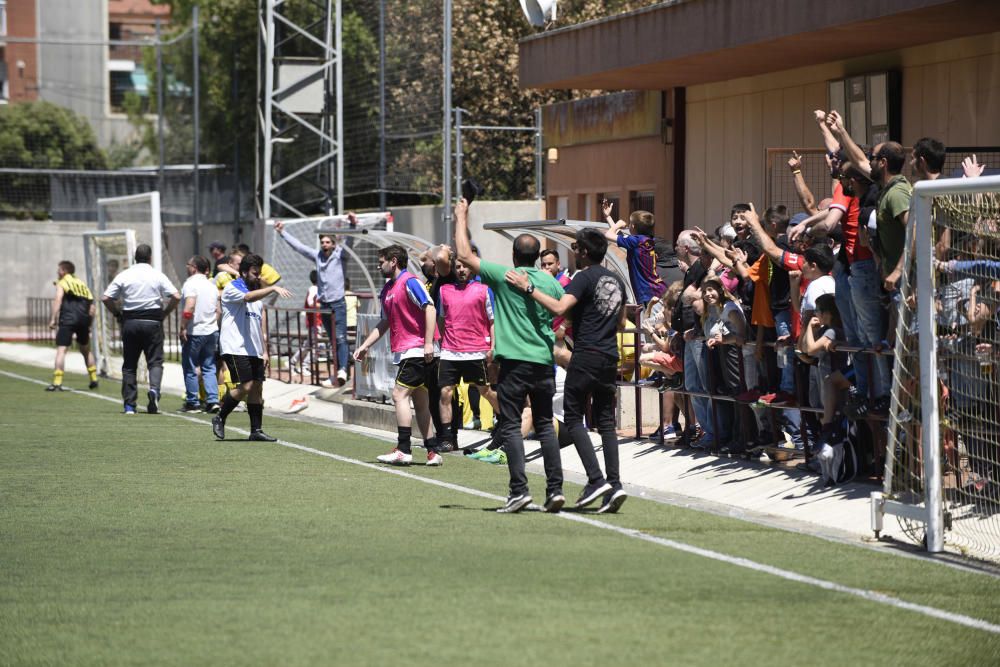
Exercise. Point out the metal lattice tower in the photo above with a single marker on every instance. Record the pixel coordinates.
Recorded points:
(300, 160)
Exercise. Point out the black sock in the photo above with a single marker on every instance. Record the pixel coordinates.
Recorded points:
(256, 412)
(474, 401)
(403, 434)
(447, 432)
(228, 405)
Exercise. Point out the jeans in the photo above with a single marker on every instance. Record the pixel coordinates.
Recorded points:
(519, 380)
(866, 291)
(694, 372)
(141, 337)
(783, 327)
(199, 352)
(339, 308)
(845, 307)
(591, 378)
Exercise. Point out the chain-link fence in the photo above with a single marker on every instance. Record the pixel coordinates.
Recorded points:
(505, 160)
(964, 344)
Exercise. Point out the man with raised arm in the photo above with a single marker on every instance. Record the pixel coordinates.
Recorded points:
(243, 340)
(524, 341)
(411, 320)
(595, 299)
(330, 283)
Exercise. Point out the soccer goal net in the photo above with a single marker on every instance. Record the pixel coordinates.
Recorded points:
(123, 223)
(942, 474)
(105, 254)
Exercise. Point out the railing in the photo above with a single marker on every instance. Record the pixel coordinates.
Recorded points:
(636, 382)
(39, 316)
(298, 351)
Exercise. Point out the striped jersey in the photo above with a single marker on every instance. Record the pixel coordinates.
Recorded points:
(76, 301)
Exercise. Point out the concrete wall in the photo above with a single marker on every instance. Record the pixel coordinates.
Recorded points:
(425, 222)
(31, 250)
(951, 91)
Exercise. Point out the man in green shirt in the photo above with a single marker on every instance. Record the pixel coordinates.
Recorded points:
(524, 340)
(892, 212)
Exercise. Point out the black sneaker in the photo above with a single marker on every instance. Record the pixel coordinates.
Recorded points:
(613, 500)
(154, 402)
(219, 427)
(92, 385)
(55, 387)
(190, 407)
(881, 406)
(515, 503)
(259, 436)
(554, 502)
(212, 408)
(592, 492)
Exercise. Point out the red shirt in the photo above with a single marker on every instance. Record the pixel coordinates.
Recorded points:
(849, 224)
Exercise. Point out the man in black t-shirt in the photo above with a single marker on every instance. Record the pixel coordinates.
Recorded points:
(595, 300)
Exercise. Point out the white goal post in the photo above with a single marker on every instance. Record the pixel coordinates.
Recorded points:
(105, 253)
(942, 469)
(132, 211)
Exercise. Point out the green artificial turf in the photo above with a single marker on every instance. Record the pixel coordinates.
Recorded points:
(141, 539)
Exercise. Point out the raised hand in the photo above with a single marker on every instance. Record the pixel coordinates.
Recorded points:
(795, 162)
(971, 167)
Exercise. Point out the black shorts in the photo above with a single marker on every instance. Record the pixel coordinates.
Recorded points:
(80, 329)
(472, 371)
(243, 368)
(412, 373)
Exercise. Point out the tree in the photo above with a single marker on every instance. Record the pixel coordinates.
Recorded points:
(41, 135)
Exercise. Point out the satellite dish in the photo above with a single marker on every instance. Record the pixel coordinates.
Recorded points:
(539, 12)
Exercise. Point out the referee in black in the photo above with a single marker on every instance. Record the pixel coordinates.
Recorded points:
(147, 296)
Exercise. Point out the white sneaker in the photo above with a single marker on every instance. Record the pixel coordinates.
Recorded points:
(396, 458)
(434, 459)
(327, 384)
(298, 405)
(342, 377)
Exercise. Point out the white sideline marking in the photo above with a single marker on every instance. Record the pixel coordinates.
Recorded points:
(746, 563)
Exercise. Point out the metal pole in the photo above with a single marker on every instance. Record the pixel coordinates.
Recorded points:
(159, 110)
(340, 109)
(196, 217)
(538, 154)
(446, 133)
(381, 106)
(928, 373)
(268, 129)
(458, 150)
(236, 151)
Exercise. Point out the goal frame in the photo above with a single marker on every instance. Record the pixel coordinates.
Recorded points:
(919, 236)
(155, 221)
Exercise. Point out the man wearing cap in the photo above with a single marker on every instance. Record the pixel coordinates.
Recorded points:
(147, 296)
(330, 283)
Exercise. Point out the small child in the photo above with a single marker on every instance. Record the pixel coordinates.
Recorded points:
(819, 338)
(640, 254)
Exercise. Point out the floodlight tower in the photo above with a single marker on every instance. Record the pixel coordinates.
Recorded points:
(300, 127)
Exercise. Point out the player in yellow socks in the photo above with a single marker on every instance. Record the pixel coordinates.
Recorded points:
(72, 315)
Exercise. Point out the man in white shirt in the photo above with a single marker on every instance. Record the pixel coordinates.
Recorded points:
(147, 296)
(199, 335)
(243, 341)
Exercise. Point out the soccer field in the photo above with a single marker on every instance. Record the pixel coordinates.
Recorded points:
(143, 540)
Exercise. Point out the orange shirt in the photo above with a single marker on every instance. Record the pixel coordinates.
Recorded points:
(760, 274)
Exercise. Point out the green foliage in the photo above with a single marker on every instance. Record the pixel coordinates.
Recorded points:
(41, 135)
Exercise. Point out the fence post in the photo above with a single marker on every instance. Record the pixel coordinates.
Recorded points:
(458, 149)
(538, 154)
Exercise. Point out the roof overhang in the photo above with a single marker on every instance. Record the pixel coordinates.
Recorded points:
(688, 42)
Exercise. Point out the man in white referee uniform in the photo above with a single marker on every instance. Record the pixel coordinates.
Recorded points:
(147, 296)
(243, 341)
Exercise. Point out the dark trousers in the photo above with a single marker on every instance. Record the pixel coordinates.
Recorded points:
(520, 379)
(591, 378)
(141, 337)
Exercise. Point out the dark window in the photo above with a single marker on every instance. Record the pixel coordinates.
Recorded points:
(641, 201)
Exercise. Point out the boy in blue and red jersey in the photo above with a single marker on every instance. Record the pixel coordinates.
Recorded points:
(638, 244)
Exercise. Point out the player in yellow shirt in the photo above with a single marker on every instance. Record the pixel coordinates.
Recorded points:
(72, 315)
